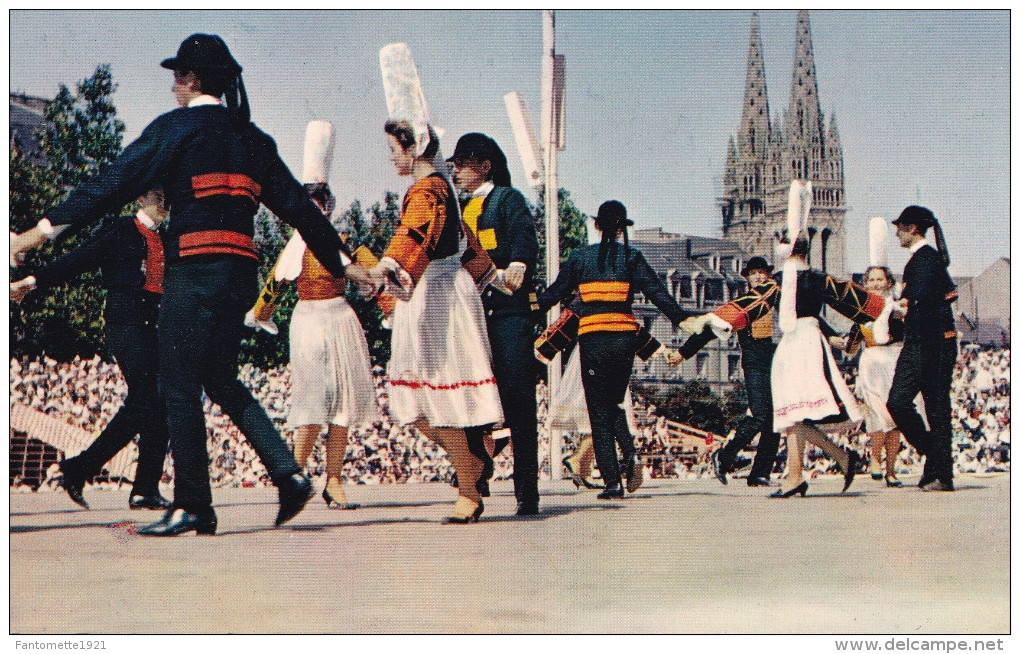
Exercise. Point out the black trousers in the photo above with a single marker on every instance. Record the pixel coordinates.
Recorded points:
(607, 360)
(758, 384)
(512, 342)
(926, 367)
(135, 349)
(201, 322)
(512, 339)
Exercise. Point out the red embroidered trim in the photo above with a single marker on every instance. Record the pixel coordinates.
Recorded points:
(800, 405)
(441, 387)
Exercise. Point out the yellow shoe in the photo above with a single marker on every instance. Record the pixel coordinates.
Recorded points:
(465, 511)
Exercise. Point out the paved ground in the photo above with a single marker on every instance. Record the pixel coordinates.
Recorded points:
(677, 557)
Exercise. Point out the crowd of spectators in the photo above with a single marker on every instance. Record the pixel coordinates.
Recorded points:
(87, 393)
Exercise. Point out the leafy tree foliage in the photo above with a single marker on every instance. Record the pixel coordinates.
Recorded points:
(573, 230)
(81, 135)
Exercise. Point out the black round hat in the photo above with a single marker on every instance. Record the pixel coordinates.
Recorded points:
(204, 53)
(915, 215)
(477, 146)
(612, 214)
(756, 263)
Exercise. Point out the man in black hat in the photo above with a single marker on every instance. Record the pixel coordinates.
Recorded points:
(215, 168)
(498, 215)
(754, 321)
(929, 351)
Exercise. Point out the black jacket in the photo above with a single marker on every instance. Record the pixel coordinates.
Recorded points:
(119, 250)
(929, 292)
(622, 263)
(506, 221)
(214, 175)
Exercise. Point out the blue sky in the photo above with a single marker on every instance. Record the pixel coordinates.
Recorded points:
(921, 98)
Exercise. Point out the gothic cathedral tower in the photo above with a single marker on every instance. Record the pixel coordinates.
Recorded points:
(764, 158)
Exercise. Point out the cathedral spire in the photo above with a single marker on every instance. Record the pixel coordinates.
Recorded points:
(803, 118)
(754, 133)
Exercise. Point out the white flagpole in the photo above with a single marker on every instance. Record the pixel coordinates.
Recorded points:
(552, 227)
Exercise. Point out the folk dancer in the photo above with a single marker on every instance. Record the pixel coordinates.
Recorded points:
(929, 351)
(331, 381)
(440, 370)
(498, 215)
(128, 251)
(607, 275)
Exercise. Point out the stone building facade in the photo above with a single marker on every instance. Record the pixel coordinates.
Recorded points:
(768, 153)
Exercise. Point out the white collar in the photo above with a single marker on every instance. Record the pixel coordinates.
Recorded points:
(203, 100)
(483, 190)
(917, 246)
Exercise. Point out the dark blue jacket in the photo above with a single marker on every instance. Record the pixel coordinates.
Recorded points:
(214, 175)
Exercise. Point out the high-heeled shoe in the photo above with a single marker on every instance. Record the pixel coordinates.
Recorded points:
(853, 460)
(465, 511)
(892, 482)
(573, 476)
(800, 488)
(635, 474)
(333, 504)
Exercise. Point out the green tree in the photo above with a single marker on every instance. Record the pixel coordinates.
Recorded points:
(573, 230)
(81, 135)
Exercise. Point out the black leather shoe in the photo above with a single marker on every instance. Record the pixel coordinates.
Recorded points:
(717, 468)
(937, 485)
(155, 502)
(295, 491)
(759, 481)
(73, 484)
(853, 460)
(527, 507)
(801, 489)
(614, 492)
(178, 521)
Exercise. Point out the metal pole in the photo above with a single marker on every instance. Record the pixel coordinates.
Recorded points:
(552, 217)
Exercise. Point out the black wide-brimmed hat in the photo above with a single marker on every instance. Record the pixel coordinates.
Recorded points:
(756, 263)
(475, 145)
(915, 215)
(204, 53)
(612, 214)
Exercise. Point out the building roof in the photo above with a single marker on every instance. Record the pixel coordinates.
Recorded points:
(26, 119)
(713, 258)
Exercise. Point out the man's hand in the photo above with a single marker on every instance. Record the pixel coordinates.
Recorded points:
(673, 357)
(362, 276)
(513, 277)
(22, 243)
(838, 342)
(20, 289)
(900, 307)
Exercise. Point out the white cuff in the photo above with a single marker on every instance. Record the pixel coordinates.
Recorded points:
(518, 264)
(45, 227)
(145, 220)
